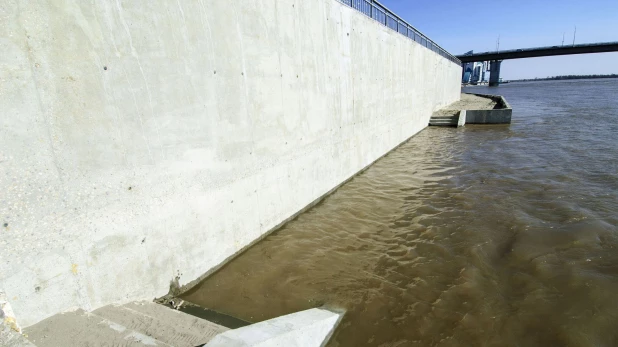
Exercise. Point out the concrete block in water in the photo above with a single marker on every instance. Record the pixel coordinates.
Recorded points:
(499, 115)
(462, 118)
(306, 328)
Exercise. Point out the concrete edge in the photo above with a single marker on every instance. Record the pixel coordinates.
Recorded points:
(10, 332)
(11, 338)
(7, 316)
(461, 121)
(341, 313)
(185, 289)
(313, 327)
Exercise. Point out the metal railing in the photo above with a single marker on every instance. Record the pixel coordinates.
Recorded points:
(378, 12)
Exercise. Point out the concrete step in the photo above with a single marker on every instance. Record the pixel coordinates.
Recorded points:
(81, 328)
(164, 324)
(442, 123)
(444, 117)
(142, 323)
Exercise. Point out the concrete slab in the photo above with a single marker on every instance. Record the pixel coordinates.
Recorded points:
(306, 328)
(164, 324)
(474, 109)
(80, 328)
(468, 102)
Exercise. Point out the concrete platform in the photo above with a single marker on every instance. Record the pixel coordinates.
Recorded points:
(310, 328)
(501, 113)
(80, 328)
(164, 324)
(145, 323)
(474, 109)
(11, 338)
(135, 324)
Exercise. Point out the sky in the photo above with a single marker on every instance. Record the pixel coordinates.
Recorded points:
(461, 26)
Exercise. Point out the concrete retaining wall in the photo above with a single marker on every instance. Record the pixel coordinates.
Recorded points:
(144, 141)
(501, 114)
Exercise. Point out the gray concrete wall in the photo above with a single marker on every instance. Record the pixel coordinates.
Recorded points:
(500, 115)
(141, 141)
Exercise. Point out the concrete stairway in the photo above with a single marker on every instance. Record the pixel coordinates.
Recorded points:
(442, 119)
(141, 323)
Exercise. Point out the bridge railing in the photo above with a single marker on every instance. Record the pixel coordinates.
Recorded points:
(380, 13)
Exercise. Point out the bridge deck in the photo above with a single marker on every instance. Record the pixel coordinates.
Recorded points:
(541, 52)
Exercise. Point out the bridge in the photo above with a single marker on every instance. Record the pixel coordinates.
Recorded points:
(497, 57)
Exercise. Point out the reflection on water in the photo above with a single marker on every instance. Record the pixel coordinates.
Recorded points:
(482, 236)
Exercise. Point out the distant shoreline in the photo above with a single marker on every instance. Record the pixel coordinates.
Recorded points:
(566, 77)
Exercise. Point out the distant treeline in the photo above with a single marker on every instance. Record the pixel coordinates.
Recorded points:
(567, 77)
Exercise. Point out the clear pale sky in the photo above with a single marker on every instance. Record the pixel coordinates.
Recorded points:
(460, 26)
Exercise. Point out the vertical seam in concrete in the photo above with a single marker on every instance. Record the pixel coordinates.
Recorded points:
(203, 16)
(213, 60)
(136, 56)
(104, 81)
(299, 46)
(43, 114)
(281, 89)
(137, 110)
(244, 74)
(351, 76)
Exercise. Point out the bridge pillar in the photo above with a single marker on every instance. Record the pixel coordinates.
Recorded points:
(494, 73)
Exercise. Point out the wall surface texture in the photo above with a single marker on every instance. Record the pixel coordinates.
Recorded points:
(145, 140)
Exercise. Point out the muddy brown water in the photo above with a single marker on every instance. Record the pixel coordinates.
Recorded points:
(481, 236)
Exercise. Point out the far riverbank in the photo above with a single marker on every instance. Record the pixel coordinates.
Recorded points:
(566, 77)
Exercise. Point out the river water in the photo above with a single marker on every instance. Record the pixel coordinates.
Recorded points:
(474, 236)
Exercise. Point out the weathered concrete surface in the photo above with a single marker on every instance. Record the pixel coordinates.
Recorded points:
(468, 102)
(164, 324)
(80, 328)
(140, 141)
(11, 338)
(306, 328)
(10, 331)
